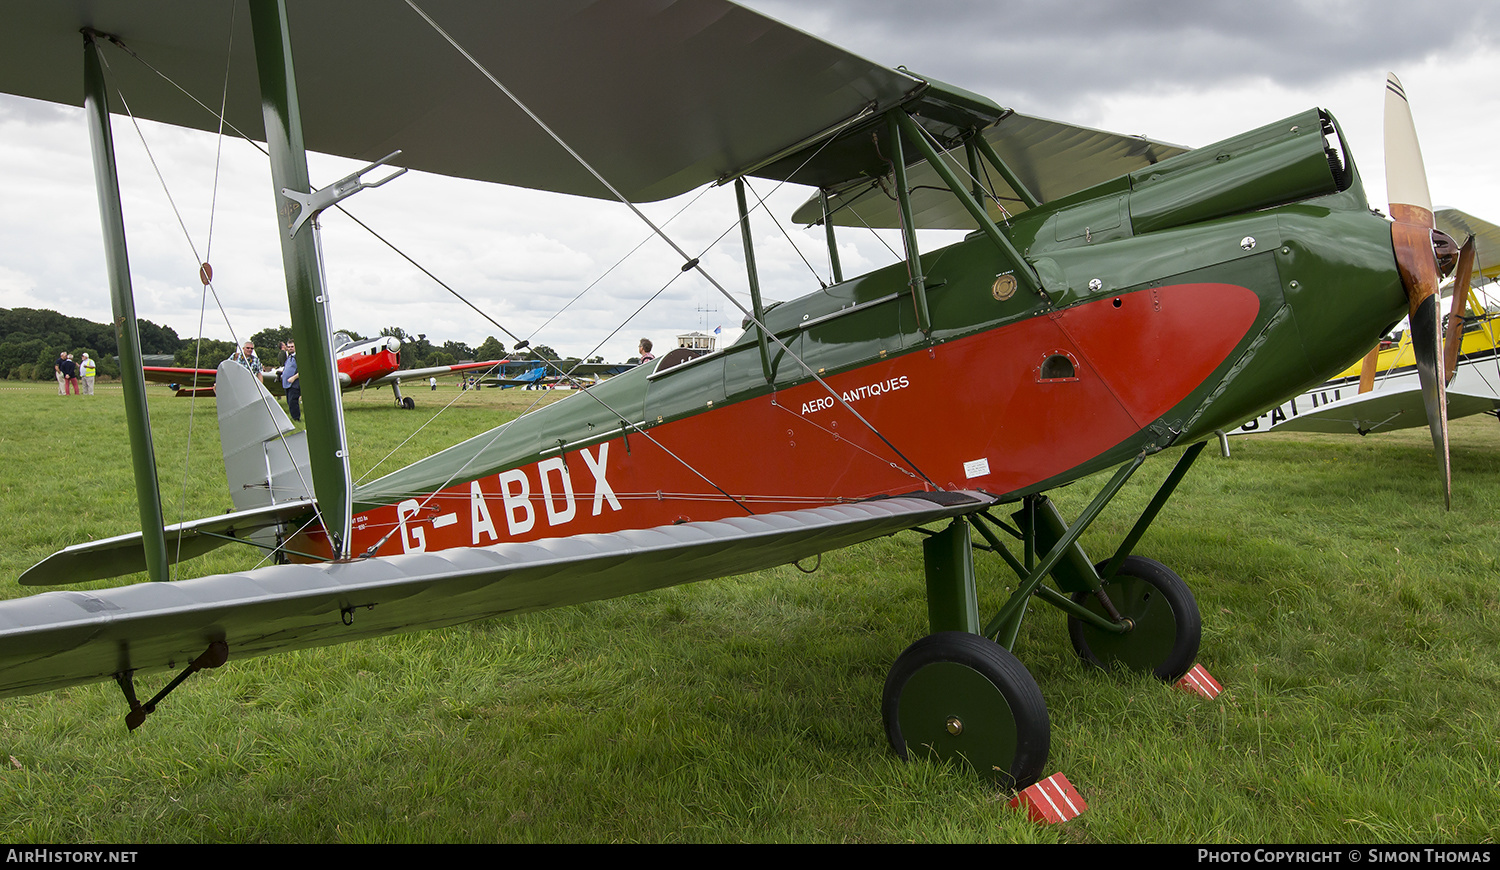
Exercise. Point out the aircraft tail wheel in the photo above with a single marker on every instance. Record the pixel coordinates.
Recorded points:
(408, 403)
(963, 697)
(1166, 626)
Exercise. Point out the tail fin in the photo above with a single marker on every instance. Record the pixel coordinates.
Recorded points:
(265, 457)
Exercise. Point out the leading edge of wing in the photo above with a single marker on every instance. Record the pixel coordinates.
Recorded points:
(661, 97)
(59, 639)
(1382, 411)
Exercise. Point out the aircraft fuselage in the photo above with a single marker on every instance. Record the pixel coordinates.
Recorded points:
(1162, 318)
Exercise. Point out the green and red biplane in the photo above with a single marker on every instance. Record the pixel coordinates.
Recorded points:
(1117, 297)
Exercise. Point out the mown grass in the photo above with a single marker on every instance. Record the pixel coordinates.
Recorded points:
(1353, 623)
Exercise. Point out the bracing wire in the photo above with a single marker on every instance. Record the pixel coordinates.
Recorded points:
(692, 263)
(205, 272)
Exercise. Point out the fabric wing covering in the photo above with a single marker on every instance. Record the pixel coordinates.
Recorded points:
(661, 97)
(59, 639)
(1486, 235)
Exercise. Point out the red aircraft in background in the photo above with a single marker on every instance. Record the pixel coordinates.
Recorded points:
(372, 363)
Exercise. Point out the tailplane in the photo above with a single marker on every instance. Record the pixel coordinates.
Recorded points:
(265, 458)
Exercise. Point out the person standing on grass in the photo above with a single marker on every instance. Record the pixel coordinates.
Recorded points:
(89, 370)
(57, 370)
(246, 357)
(289, 382)
(70, 375)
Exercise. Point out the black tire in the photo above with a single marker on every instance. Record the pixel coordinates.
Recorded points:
(408, 403)
(1167, 626)
(965, 698)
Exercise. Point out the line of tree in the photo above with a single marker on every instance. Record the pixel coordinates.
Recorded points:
(31, 339)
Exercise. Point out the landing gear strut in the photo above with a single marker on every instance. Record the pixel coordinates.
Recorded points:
(406, 402)
(959, 694)
(1165, 626)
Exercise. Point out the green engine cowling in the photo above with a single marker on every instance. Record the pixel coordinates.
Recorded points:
(1288, 161)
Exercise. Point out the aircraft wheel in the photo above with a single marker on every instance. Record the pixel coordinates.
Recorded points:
(965, 698)
(408, 403)
(1167, 626)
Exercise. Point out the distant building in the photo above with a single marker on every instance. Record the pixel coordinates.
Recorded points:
(696, 341)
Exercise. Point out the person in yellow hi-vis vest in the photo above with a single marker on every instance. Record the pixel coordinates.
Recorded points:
(88, 375)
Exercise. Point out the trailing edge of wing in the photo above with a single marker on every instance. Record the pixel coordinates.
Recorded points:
(59, 639)
(1382, 411)
(117, 556)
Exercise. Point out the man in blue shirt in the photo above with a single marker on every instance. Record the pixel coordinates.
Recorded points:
(289, 382)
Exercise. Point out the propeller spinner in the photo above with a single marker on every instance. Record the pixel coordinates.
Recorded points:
(1415, 241)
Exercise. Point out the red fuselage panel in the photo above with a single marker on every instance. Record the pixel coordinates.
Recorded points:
(363, 366)
(999, 411)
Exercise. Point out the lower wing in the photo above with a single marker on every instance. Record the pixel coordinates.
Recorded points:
(59, 639)
(200, 381)
(1382, 411)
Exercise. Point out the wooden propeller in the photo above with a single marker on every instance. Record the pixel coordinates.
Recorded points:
(1412, 238)
(1453, 338)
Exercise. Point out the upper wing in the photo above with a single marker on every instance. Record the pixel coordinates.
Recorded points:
(660, 95)
(1051, 158)
(1382, 411)
(1486, 239)
(434, 371)
(60, 639)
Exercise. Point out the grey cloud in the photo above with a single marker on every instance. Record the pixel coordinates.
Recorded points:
(1049, 57)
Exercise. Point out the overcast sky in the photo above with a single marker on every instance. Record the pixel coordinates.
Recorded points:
(1174, 70)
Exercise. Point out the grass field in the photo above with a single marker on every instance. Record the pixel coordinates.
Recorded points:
(1353, 623)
